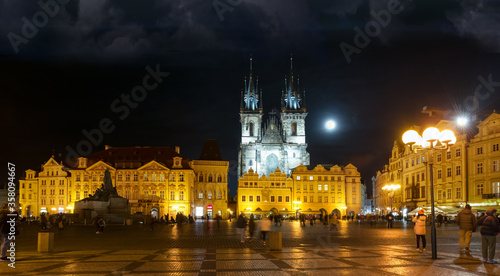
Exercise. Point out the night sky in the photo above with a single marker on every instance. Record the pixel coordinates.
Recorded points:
(63, 78)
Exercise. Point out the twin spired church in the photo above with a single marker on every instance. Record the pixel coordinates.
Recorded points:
(277, 140)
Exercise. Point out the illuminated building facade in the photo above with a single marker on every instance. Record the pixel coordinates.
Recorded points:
(319, 190)
(156, 180)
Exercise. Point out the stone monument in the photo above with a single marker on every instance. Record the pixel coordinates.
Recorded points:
(105, 202)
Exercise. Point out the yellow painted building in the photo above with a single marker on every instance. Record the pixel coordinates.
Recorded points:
(156, 180)
(321, 190)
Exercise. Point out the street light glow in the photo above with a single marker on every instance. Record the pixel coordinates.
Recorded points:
(462, 121)
(330, 124)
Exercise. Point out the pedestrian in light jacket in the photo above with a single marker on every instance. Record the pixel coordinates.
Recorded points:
(467, 223)
(419, 229)
(490, 227)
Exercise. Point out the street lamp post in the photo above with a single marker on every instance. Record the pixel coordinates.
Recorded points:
(431, 139)
(391, 189)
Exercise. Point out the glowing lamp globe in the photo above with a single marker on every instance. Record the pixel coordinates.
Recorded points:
(462, 121)
(447, 136)
(430, 134)
(411, 137)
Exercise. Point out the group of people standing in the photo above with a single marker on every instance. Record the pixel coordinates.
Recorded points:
(265, 227)
(468, 223)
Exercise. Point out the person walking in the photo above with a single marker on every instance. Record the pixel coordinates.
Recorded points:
(242, 225)
(334, 222)
(419, 229)
(218, 220)
(490, 227)
(390, 219)
(43, 222)
(251, 226)
(467, 224)
(4, 230)
(265, 227)
(439, 219)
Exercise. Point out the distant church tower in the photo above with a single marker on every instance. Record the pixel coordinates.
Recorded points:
(281, 141)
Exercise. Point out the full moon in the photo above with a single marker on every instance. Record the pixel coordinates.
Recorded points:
(330, 124)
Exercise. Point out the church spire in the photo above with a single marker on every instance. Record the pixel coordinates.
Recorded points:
(291, 97)
(250, 97)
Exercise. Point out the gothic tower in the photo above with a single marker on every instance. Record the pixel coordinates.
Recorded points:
(293, 121)
(251, 122)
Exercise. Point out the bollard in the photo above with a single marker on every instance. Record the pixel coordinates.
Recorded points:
(275, 241)
(45, 241)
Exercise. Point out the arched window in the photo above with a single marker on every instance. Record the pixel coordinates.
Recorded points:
(200, 178)
(294, 129)
(210, 179)
(251, 128)
(209, 194)
(219, 195)
(219, 178)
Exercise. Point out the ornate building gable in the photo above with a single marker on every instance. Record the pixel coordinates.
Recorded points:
(153, 166)
(100, 166)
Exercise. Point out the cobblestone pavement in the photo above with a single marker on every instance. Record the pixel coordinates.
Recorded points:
(204, 249)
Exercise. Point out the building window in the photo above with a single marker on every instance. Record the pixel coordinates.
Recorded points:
(162, 194)
(219, 178)
(257, 198)
(78, 177)
(219, 194)
(479, 150)
(298, 187)
(298, 177)
(146, 177)
(339, 178)
(422, 191)
(272, 198)
(320, 199)
(172, 177)
(495, 147)
(495, 165)
(353, 190)
(287, 198)
(406, 165)
(200, 178)
(311, 178)
(101, 177)
(29, 185)
(457, 153)
(210, 178)
(439, 194)
(305, 187)
(448, 193)
(311, 187)
(439, 157)
(280, 198)
(209, 194)
(119, 177)
(294, 129)
(413, 162)
(339, 187)
(326, 187)
(339, 199)
(458, 193)
(243, 198)
(136, 177)
(326, 199)
(181, 177)
(333, 199)
(312, 199)
(250, 198)
(495, 188)
(458, 170)
(353, 200)
(418, 161)
(127, 177)
(305, 199)
(479, 189)
(448, 155)
(85, 194)
(448, 172)
(319, 187)
(200, 194)
(251, 128)
(146, 194)
(181, 195)
(172, 195)
(43, 192)
(479, 168)
(439, 174)
(153, 177)
(77, 195)
(162, 177)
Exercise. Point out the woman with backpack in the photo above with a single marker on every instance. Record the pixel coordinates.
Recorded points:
(419, 228)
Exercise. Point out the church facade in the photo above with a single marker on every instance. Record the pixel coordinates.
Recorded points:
(280, 140)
